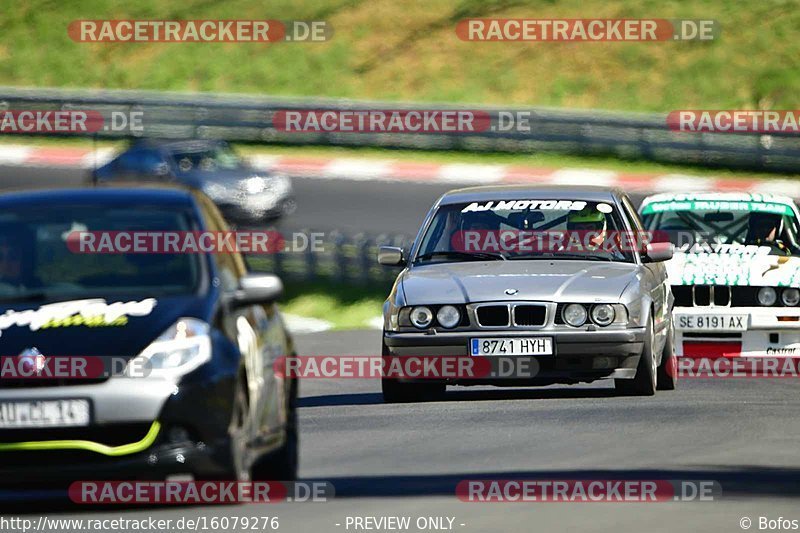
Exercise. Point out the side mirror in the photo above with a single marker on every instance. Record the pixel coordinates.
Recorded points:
(657, 252)
(256, 289)
(391, 256)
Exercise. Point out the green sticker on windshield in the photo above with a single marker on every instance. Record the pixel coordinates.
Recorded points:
(717, 205)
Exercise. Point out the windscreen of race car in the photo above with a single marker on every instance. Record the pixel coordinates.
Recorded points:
(527, 230)
(713, 227)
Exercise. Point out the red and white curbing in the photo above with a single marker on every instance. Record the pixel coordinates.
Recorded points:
(426, 172)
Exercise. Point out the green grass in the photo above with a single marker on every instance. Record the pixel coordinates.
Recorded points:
(408, 50)
(345, 306)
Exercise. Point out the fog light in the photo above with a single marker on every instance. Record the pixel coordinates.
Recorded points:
(604, 362)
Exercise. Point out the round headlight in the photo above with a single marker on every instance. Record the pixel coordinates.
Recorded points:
(421, 317)
(603, 314)
(790, 297)
(448, 316)
(767, 296)
(575, 315)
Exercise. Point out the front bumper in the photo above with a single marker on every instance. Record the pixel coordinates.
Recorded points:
(141, 428)
(765, 332)
(57, 469)
(578, 355)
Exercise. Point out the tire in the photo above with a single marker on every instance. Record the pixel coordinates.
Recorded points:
(395, 391)
(239, 434)
(668, 369)
(283, 463)
(644, 383)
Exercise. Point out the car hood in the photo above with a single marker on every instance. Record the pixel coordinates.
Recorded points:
(724, 265)
(533, 280)
(122, 327)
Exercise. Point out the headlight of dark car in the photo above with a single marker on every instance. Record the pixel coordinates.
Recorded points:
(182, 348)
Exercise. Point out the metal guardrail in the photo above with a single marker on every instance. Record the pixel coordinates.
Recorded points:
(341, 258)
(250, 119)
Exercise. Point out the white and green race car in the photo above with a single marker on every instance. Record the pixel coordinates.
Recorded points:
(735, 274)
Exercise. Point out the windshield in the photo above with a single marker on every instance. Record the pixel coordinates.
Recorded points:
(36, 262)
(712, 226)
(218, 158)
(526, 229)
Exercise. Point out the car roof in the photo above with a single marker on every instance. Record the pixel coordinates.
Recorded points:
(531, 192)
(732, 196)
(168, 195)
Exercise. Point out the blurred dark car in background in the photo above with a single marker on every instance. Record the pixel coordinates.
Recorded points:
(244, 194)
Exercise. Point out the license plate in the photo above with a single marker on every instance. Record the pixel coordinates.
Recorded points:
(712, 322)
(512, 346)
(44, 413)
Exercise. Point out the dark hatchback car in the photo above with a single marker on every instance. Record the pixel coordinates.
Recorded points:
(205, 334)
(244, 194)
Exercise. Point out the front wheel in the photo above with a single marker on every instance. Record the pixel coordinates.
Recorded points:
(281, 464)
(644, 383)
(395, 391)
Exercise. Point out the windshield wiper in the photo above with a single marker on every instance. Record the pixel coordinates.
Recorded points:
(478, 256)
(557, 255)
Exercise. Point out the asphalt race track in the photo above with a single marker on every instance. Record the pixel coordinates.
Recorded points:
(322, 205)
(405, 460)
